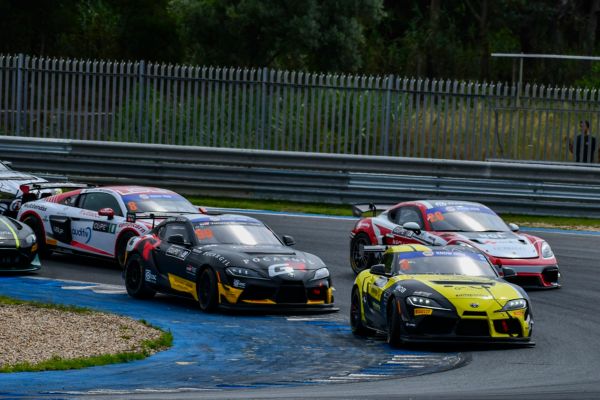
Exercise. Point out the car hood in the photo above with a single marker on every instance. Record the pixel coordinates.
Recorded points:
(499, 244)
(271, 261)
(471, 292)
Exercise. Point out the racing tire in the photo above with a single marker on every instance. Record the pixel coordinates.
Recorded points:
(358, 262)
(43, 250)
(121, 248)
(207, 291)
(356, 323)
(134, 279)
(394, 327)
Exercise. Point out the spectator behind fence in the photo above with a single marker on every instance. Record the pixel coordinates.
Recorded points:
(585, 145)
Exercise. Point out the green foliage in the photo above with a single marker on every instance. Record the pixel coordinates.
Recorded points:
(432, 38)
(276, 33)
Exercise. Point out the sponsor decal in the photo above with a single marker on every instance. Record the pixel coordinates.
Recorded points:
(298, 263)
(423, 311)
(219, 257)
(420, 293)
(400, 288)
(238, 284)
(88, 213)
(149, 276)
(281, 269)
(84, 235)
(101, 226)
(363, 224)
(190, 269)
(15, 205)
(35, 206)
(137, 227)
(57, 229)
(132, 243)
(518, 313)
(178, 252)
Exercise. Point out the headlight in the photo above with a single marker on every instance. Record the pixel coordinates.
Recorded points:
(321, 273)
(243, 272)
(418, 301)
(546, 250)
(30, 239)
(515, 304)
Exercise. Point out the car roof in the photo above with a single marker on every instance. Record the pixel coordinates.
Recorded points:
(429, 204)
(133, 189)
(410, 248)
(223, 218)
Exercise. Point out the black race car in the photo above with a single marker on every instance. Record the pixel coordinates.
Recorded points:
(18, 247)
(226, 261)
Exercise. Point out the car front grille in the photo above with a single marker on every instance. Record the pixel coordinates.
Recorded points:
(291, 292)
(473, 327)
(436, 326)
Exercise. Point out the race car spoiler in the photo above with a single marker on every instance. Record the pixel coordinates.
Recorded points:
(32, 187)
(359, 209)
(133, 216)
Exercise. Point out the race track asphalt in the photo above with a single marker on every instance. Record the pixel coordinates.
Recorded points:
(565, 363)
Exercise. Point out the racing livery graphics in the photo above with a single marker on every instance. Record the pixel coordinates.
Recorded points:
(446, 293)
(18, 247)
(438, 222)
(226, 261)
(99, 221)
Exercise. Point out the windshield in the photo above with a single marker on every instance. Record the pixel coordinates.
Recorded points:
(240, 233)
(465, 218)
(157, 202)
(443, 262)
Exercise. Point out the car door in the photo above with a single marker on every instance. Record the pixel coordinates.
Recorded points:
(401, 216)
(171, 257)
(374, 287)
(93, 233)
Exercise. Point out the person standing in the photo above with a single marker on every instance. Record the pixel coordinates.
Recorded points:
(584, 145)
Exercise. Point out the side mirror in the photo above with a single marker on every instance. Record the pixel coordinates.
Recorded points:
(378, 269)
(412, 226)
(108, 212)
(176, 239)
(513, 227)
(508, 272)
(288, 240)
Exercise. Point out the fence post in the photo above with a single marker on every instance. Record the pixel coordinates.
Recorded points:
(20, 91)
(388, 108)
(263, 106)
(141, 83)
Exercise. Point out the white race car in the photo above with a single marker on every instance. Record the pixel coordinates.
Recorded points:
(99, 221)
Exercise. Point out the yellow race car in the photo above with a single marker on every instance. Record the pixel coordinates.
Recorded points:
(448, 293)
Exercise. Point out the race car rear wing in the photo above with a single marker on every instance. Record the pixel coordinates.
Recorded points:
(359, 209)
(33, 191)
(32, 187)
(134, 216)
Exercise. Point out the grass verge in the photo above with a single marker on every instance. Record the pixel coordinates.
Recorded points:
(346, 210)
(148, 347)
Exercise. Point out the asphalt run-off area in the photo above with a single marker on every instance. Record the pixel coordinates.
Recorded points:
(216, 351)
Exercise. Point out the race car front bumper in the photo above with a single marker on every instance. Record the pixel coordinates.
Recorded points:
(10, 262)
(535, 277)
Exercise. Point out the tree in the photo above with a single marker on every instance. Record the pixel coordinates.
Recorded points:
(276, 33)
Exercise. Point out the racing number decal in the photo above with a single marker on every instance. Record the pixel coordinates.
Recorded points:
(435, 217)
(203, 234)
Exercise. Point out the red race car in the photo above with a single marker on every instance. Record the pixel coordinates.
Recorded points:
(438, 222)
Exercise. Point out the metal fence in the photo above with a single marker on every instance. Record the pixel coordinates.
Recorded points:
(290, 111)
